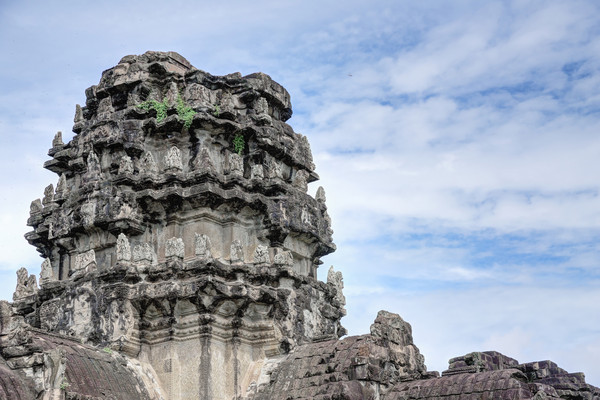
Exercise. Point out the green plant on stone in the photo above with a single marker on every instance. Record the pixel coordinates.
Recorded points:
(64, 385)
(217, 110)
(160, 108)
(107, 350)
(185, 112)
(238, 143)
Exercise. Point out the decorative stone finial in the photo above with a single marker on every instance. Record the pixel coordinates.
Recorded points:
(26, 285)
(336, 280)
(57, 141)
(78, 114)
(48, 195)
(320, 195)
(36, 207)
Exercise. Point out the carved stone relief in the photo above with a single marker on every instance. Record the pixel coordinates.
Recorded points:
(125, 165)
(236, 254)
(300, 180)
(88, 213)
(257, 171)
(261, 254)
(175, 247)
(144, 253)
(173, 160)
(203, 246)
(46, 274)
(203, 162)
(123, 248)
(283, 257)
(147, 164)
(236, 164)
(86, 260)
(61, 187)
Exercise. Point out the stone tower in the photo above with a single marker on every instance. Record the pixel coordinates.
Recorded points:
(180, 231)
(180, 252)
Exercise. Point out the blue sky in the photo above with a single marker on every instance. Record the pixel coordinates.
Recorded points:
(458, 144)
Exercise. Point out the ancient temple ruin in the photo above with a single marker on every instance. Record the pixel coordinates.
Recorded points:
(180, 250)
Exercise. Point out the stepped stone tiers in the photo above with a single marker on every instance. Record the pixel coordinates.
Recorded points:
(180, 250)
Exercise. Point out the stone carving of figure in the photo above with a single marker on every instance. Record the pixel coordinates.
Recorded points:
(203, 245)
(147, 164)
(61, 187)
(173, 159)
(261, 255)
(123, 248)
(35, 207)
(48, 195)
(86, 260)
(284, 257)
(305, 216)
(236, 164)
(261, 106)
(26, 284)
(57, 141)
(236, 254)
(46, 275)
(300, 180)
(272, 168)
(257, 171)
(175, 247)
(336, 280)
(203, 162)
(126, 166)
(320, 195)
(93, 165)
(88, 213)
(126, 211)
